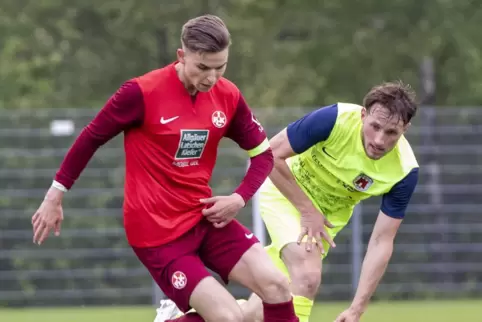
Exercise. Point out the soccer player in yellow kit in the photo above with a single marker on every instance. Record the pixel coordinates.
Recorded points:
(325, 164)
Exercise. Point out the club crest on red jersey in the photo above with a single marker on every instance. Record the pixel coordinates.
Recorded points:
(362, 182)
(219, 119)
(179, 280)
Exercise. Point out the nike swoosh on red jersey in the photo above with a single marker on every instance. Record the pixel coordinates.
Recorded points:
(165, 121)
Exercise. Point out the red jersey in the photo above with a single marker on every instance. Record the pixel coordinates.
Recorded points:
(171, 141)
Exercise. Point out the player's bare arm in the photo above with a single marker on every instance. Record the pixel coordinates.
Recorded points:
(248, 133)
(281, 175)
(380, 246)
(123, 110)
(379, 252)
(312, 221)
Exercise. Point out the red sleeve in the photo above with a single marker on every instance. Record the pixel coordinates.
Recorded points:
(249, 134)
(123, 110)
(259, 169)
(244, 128)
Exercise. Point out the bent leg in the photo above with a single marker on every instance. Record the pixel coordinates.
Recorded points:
(185, 280)
(282, 221)
(235, 254)
(257, 272)
(305, 275)
(214, 303)
(190, 285)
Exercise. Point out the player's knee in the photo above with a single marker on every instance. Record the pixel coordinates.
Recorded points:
(227, 314)
(274, 287)
(306, 280)
(304, 268)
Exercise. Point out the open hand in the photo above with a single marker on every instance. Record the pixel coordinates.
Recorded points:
(47, 218)
(313, 226)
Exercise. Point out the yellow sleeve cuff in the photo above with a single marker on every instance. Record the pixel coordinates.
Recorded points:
(259, 149)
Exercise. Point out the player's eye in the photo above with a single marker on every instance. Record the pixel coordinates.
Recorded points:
(203, 67)
(376, 127)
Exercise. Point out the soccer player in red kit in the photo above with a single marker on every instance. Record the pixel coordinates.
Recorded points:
(173, 119)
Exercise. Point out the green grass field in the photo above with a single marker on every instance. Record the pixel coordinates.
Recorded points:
(423, 311)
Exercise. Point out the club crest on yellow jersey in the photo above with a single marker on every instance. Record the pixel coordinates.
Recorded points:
(362, 182)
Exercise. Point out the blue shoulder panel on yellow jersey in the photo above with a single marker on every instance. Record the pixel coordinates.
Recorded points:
(395, 202)
(312, 128)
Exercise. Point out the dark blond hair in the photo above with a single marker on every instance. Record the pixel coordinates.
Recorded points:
(206, 34)
(396, 97)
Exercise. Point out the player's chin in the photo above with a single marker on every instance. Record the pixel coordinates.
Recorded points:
(375, 157)
(374, 154)
(204, 88)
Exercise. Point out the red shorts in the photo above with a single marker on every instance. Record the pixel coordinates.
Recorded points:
(178, 266)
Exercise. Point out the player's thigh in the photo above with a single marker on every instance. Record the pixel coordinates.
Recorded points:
(175, 266)
(214, 303)
(176, 276)
(235, 254)
(306, 267)
(281, 218)
(222, 248)
(256, 271)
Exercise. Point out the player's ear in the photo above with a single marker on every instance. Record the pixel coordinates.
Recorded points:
(363, 113)
(406, 126)
(180, 55)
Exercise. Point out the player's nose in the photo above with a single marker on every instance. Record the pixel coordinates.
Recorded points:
(211, 79)
(379, 140)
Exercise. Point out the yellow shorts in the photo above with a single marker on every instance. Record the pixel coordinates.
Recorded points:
(282, 221)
